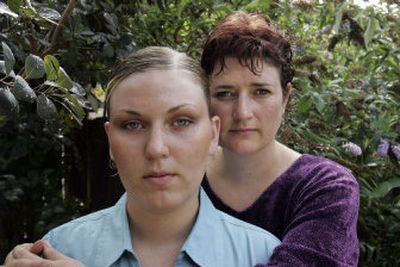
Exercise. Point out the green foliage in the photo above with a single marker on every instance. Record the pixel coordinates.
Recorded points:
(346, 89)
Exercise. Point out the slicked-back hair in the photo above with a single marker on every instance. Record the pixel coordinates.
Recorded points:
(252, 39)
(155, 58)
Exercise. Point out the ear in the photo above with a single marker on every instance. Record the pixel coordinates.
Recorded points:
(289, 89)
(107, 130)
(216, 125)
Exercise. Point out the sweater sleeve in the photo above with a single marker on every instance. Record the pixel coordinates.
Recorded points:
(322, 219)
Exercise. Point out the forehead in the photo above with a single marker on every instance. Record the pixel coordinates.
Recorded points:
(233, 71)
(162, 88)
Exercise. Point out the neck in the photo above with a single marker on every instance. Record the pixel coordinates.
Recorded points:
(159, 228)
(267, 163)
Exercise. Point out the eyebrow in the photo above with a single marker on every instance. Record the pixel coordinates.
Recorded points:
(171, 110)
(256, 84)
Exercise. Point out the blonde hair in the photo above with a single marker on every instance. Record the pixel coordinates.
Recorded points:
(155, 58)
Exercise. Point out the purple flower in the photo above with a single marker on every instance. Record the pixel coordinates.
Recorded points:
(396, 151)
(383, 148)
(352, 148)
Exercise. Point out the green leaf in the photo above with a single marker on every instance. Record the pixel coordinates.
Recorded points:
(8, 103)
(3, 69)
(45, 108)
(63, 79)
(74, 105)
(15, 4)
(23, 91)
(2, 66)
(373, 25)
(257, 5)
(78, 89)
(319, 102)
(8, 57)
(304, 104)
(49, 13)
(4, 9)
(338, 20)
(51, 66)
(34, 67)
(384, 188)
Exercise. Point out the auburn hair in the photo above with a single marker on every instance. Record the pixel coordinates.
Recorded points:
(252, 39)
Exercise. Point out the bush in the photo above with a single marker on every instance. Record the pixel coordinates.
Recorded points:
(345, 104)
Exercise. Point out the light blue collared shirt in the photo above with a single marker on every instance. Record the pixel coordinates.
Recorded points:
(103, 239)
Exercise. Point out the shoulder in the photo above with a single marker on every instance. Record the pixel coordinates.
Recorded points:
(85, 225)
(92, 234)
(312, 172)
(248, 234)
(217, 233)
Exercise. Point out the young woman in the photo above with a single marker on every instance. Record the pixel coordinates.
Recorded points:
(309, 202)
(161, 138)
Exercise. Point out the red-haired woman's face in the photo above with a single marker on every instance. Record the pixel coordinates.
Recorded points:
(250, 106)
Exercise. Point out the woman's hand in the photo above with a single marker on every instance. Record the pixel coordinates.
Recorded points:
(27, 255)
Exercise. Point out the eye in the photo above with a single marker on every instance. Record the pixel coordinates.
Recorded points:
(224, 94)
(262, 91)
(133, 125)
(182, 122)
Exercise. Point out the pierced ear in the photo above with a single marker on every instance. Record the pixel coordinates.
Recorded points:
(107, 130)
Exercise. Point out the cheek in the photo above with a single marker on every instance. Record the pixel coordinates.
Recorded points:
(124, 149)
(223, 111)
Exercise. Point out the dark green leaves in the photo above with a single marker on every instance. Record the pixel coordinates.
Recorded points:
(45, 108)
(373, 25)
(23, 91)
(8, 104)
(51, 67)
(75, 106)
(63, 79)
(4, 9)
(9, 59)
(49, 13)
(384, 188)
(34, 67)
(56, 73)
(15, 4)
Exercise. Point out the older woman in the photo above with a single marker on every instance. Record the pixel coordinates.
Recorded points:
(161, 138)
(309, 202)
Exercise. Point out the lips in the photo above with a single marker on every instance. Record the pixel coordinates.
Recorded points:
(243, 130)
(159, 178)
(157, 174)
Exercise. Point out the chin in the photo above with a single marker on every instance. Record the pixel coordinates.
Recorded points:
(242, 149)
(165, 202)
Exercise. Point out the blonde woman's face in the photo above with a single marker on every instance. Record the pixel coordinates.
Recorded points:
(161, 138)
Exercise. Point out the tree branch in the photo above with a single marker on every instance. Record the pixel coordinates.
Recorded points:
(58, 30)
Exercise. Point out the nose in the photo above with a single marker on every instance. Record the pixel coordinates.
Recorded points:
(242, 108)
(156, 146)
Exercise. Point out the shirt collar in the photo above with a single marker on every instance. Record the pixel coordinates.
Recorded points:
(116, 232)
(201, 244)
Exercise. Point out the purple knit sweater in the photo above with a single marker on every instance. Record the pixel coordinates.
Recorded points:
(312, 208)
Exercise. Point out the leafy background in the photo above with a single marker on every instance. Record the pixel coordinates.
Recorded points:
(56, 56)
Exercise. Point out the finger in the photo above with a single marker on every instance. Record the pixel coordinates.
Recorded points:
(23, 251)
(37, 247)
(27, 263)
(52, 254)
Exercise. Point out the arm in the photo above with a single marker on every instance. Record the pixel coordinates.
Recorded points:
(322, 225)
(27, 255)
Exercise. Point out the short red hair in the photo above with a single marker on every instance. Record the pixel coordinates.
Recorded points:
(249, 38)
